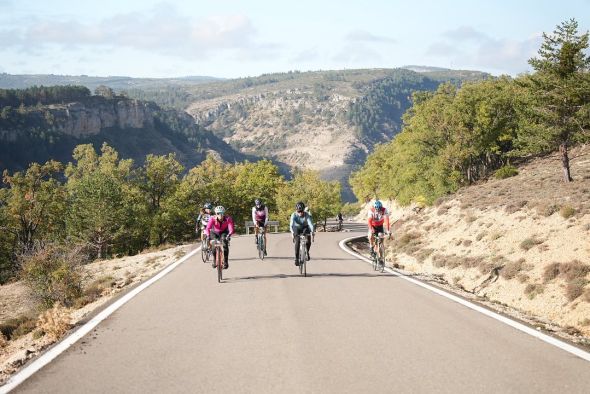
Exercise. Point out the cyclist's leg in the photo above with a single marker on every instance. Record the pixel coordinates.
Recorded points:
(213, 236)
(307, 232)
(265, 242)
(225, 248)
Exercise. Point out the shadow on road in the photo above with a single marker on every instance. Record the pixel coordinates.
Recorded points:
(309, 275)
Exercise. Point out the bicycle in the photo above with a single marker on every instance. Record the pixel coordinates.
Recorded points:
(379, 257)
(205, 250)
(260, 245)
(303, 253)
(219, 255)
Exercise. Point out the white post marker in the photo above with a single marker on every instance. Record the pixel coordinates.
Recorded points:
(512, 323)
(68, 341)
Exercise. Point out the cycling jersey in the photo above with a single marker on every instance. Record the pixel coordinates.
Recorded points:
(297, 222)
(227, 224)
(260, 215)
(203, 219)
(378, 216)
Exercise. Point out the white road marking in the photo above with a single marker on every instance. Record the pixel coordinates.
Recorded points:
(62, 346)
(512, 323)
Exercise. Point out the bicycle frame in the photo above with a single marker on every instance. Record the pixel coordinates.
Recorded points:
(219, 258)
(379, 259)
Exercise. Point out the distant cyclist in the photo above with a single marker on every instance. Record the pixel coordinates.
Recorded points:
(378, 216)
(220, 227)
(260, 219)
(340, 220)
(301, 223)
(203, 219)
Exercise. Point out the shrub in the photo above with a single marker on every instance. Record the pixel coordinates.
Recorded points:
(94, 291)
(575, 288)
(547, 210)
(14, 328)
(480, 236)
(511, 269)
(55, 321)
(54, 274)
(533, 289)
(551, 272)
(573, 270)
(506, 172)
(587, 295)
(567, 212)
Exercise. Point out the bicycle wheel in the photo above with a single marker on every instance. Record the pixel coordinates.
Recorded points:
(305, 263)
(301, 256)
(219, 259)
(261, 247)
(204, 251)
(382, 256)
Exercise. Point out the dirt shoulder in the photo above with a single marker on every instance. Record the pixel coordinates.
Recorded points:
(520, 245)
(104, 280)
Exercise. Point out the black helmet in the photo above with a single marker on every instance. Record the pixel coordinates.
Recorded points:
(208, 205)
(300, 206)
(257, 203)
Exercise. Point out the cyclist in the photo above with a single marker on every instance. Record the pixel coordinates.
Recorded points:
(203, 219)
(301, 223)
(340, 220)
(260, 219)
(378, 216)
(220, 227)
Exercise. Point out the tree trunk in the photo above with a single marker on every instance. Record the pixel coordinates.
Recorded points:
(565, 162)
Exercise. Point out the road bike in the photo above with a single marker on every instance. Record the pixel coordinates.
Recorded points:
(205, 249)
(303, 253)
(219, 256)
(379, 254)
(260, 245)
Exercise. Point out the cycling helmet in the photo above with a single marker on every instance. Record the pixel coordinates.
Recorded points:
(257, 203)
(377, 204)
(219, 210)
(208, 205)
(300, 206)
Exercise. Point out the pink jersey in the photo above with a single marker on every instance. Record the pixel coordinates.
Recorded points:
(220, 226)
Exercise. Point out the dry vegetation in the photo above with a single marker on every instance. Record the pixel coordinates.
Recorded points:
(522, 241)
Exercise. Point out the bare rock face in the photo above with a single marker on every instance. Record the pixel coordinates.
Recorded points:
(79, 119)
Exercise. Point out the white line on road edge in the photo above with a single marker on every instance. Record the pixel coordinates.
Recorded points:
(51, 354)
(519, 326)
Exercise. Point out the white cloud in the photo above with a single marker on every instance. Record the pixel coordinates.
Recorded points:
(357, 54)
(365, 36)
(468, 47)
(162, 30)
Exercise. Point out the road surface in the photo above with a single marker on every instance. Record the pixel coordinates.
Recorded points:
(343, 329)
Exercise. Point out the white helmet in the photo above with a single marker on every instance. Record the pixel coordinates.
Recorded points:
(219, 210)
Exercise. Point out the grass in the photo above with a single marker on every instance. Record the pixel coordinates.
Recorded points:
(506, 172)
(55, 322)
(94, 291)
(551, 272)
(480, 236)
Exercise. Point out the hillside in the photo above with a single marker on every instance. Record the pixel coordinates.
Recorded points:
(520, 242)
(36, 133)
(325, 120)
(118, 83)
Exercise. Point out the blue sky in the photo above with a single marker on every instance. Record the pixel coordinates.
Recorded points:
(246, 38)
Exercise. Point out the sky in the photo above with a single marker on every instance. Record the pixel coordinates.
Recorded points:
(231, 38)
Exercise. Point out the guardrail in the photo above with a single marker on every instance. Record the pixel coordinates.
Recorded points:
(271, 223)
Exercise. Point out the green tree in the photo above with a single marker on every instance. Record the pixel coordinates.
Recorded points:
(34, 204)
(103, 209)
(560, 94)
(322, 197)
(158, 179)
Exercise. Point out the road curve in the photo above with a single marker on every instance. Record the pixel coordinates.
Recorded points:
(343, 329)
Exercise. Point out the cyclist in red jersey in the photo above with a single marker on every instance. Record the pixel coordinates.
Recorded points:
(378, 218)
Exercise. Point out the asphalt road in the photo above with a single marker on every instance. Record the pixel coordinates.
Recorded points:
(342, 329)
